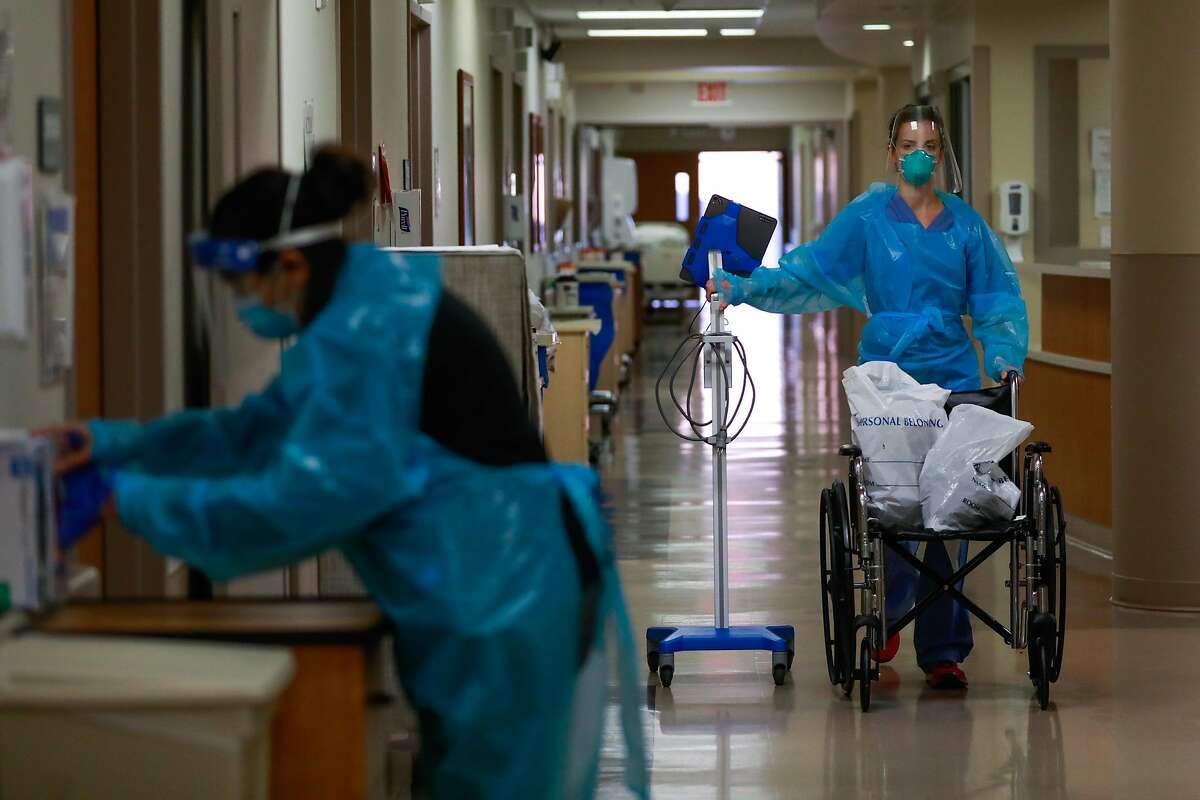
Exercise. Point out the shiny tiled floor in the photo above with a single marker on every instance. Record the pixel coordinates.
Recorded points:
(1125, 716)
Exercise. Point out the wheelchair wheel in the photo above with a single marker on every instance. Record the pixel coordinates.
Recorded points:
(844, 539)
(831, 661)
(864, 665)
(1059, 604)
(837, 598)
(1052, 572)
(832, 559)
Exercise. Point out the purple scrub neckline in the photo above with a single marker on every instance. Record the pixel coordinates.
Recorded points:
(900, 211)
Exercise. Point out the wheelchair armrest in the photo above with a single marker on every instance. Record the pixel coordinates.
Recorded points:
(1038, 447)
(850, 451)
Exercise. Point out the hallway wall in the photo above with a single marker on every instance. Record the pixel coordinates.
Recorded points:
(1007, 34)
(389, 81)
(1011, 32)
(308, 73)
(461, 40)
(867, 150)
(38, 71)
(674, 103)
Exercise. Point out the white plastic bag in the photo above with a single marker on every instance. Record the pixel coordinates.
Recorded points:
(894, 421)
(962, 486)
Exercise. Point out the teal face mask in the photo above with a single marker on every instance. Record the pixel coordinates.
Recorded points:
(265, 321)
(917, 167)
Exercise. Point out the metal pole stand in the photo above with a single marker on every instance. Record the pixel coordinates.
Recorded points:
(663, 643)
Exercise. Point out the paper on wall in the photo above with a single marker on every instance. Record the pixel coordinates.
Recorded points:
(1102, 149)
(1103, 193)
(16, 239)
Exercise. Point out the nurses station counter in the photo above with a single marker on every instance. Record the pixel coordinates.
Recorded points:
(308, 683)
(1068, 398)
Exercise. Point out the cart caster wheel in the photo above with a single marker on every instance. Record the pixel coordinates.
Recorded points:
(666, 673)
(652, 660)
(864, 687)
(779, 674)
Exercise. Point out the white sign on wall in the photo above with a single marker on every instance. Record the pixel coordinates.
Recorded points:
(1102, 171)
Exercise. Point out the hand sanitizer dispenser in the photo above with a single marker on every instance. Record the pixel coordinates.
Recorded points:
(1012, 218)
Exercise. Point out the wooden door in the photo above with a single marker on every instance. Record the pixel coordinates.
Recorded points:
(656, 186)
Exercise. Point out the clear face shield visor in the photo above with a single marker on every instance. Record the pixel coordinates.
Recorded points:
(239, 258)
(920, 128)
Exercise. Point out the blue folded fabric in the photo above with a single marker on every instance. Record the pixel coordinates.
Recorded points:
(85, 493)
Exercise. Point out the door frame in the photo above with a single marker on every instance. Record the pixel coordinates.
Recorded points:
(420, 113)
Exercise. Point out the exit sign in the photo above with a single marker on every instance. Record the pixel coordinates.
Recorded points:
(711, 92)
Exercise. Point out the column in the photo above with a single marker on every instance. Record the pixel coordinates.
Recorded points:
(1156, 303)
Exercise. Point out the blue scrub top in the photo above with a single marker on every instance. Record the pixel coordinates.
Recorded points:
(915, 283)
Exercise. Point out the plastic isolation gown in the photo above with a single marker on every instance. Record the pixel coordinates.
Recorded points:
(914, 283)
(471, 563)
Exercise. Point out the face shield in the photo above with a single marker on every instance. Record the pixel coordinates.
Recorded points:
(237, 259)
(920, 149)
(238, 256)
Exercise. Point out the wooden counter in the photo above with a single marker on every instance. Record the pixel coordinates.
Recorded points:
(1067, 396)
(325, 741)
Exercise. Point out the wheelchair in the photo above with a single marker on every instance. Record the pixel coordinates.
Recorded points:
(853, 579)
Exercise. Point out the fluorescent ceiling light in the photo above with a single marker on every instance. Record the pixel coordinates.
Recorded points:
(633, 33)
(738, 31)
(728, 13)
(909, 43)
(877, 27)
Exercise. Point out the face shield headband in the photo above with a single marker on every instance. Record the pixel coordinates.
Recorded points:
(242, 255)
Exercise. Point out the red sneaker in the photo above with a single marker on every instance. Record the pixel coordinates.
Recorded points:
(946, 676)
(889, 650)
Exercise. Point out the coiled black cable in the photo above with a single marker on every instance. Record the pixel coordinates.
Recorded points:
(691, 351)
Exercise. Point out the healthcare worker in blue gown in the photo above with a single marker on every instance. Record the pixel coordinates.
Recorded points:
(395, 433)
(916, 260)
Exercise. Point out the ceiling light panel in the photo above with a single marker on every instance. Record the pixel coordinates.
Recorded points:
(656, 33)
(727, 13)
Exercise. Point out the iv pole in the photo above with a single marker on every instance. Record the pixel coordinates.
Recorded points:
(662, 643)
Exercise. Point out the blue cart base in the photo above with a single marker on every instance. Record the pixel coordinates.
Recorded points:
(663, 643)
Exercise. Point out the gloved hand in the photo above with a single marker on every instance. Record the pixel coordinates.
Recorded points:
(87, 497)
(72, 444)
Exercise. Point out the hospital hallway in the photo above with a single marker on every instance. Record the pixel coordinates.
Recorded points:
(1123, 717)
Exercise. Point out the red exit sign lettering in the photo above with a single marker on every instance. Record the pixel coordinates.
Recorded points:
(710, 92)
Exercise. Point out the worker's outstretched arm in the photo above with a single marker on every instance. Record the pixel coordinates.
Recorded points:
(999, 318)
(341, 465)
(816, 276)
(209, 442)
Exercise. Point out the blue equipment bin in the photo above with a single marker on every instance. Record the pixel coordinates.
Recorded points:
(600, 297)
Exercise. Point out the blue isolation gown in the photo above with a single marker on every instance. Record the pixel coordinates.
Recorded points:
(471, 563)
(914, 283)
